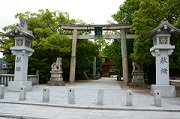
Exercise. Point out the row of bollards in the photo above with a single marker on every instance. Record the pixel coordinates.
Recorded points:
(71, 96)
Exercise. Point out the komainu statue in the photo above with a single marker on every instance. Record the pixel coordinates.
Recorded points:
(138, 75)
(56, 73)
(57, 65)
(137, 67)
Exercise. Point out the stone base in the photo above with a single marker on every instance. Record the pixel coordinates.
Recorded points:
(165, 90)
(15, 85)
(56, 79)
(137, 85)
(56, 83)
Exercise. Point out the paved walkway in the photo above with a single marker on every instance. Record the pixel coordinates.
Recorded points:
(85, 106)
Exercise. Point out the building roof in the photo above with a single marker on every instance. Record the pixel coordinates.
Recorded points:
(108, 62)
(164, 26)
(20, 31)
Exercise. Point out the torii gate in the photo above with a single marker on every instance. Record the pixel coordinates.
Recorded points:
(75, 36)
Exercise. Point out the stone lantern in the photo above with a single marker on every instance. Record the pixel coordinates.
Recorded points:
(23, 39)
(161, 50)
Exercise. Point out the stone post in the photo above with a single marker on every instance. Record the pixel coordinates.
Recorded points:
(22, 93)
(129, 98)
(73, 57)
(157, 98)
(22, 50)
(100, 97)
(94, 67)
(162, 65)
(71, 96)
(2, 91)
(161, 50)
(20, 71)
(46, 94)
(124, 57)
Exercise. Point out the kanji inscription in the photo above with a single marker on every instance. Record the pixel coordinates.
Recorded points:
(163, 60)
(18, 59)
(18, 68)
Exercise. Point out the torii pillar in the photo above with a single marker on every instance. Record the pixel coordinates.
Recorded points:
(124, 56)
(73, 57)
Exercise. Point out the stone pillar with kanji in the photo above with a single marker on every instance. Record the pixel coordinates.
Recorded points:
(23, 39)
(161, 50)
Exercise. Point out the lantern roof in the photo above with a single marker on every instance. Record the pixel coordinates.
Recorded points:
(20, 31)
(163, 28)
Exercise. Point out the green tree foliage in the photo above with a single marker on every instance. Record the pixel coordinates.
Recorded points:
(145, 15)
(149, 16)
(5, 47)
(113, 52)
(51, 43)
(86, 51)
(124, 15)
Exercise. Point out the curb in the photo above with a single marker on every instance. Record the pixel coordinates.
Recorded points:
(94, 107)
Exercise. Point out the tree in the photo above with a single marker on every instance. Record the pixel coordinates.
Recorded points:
(113, 52)
(51, 43)
(144, 16)
(124, 15)
(5, 47)
(86, 51)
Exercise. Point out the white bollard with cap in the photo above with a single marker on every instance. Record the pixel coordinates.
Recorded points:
(46, 94)
(22, 93)
(2, 91)
(71, 97)
(100, 97)
(157, 98)
(129, 97)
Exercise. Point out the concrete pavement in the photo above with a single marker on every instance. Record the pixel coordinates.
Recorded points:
(85, 103)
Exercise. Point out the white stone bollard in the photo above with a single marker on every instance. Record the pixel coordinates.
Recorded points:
(46, 94)
(71, 97)
(22, 93)
(2, 91)
(100, 97)
(157, 98)
(129, 97)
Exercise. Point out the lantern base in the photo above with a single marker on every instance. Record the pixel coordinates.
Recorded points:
(165, 90)
(15, 85)
(56, 83)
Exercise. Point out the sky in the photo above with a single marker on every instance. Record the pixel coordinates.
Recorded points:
(90, 11)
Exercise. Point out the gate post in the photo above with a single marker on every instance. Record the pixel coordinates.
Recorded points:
(73, 57)
(124, 56)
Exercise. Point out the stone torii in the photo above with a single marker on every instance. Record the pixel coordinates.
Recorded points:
(75, 36)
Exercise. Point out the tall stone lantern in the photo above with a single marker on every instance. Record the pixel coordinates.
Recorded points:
(22, 50)
(161, 50)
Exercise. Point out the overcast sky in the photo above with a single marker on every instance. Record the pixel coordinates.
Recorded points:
(90, 11)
